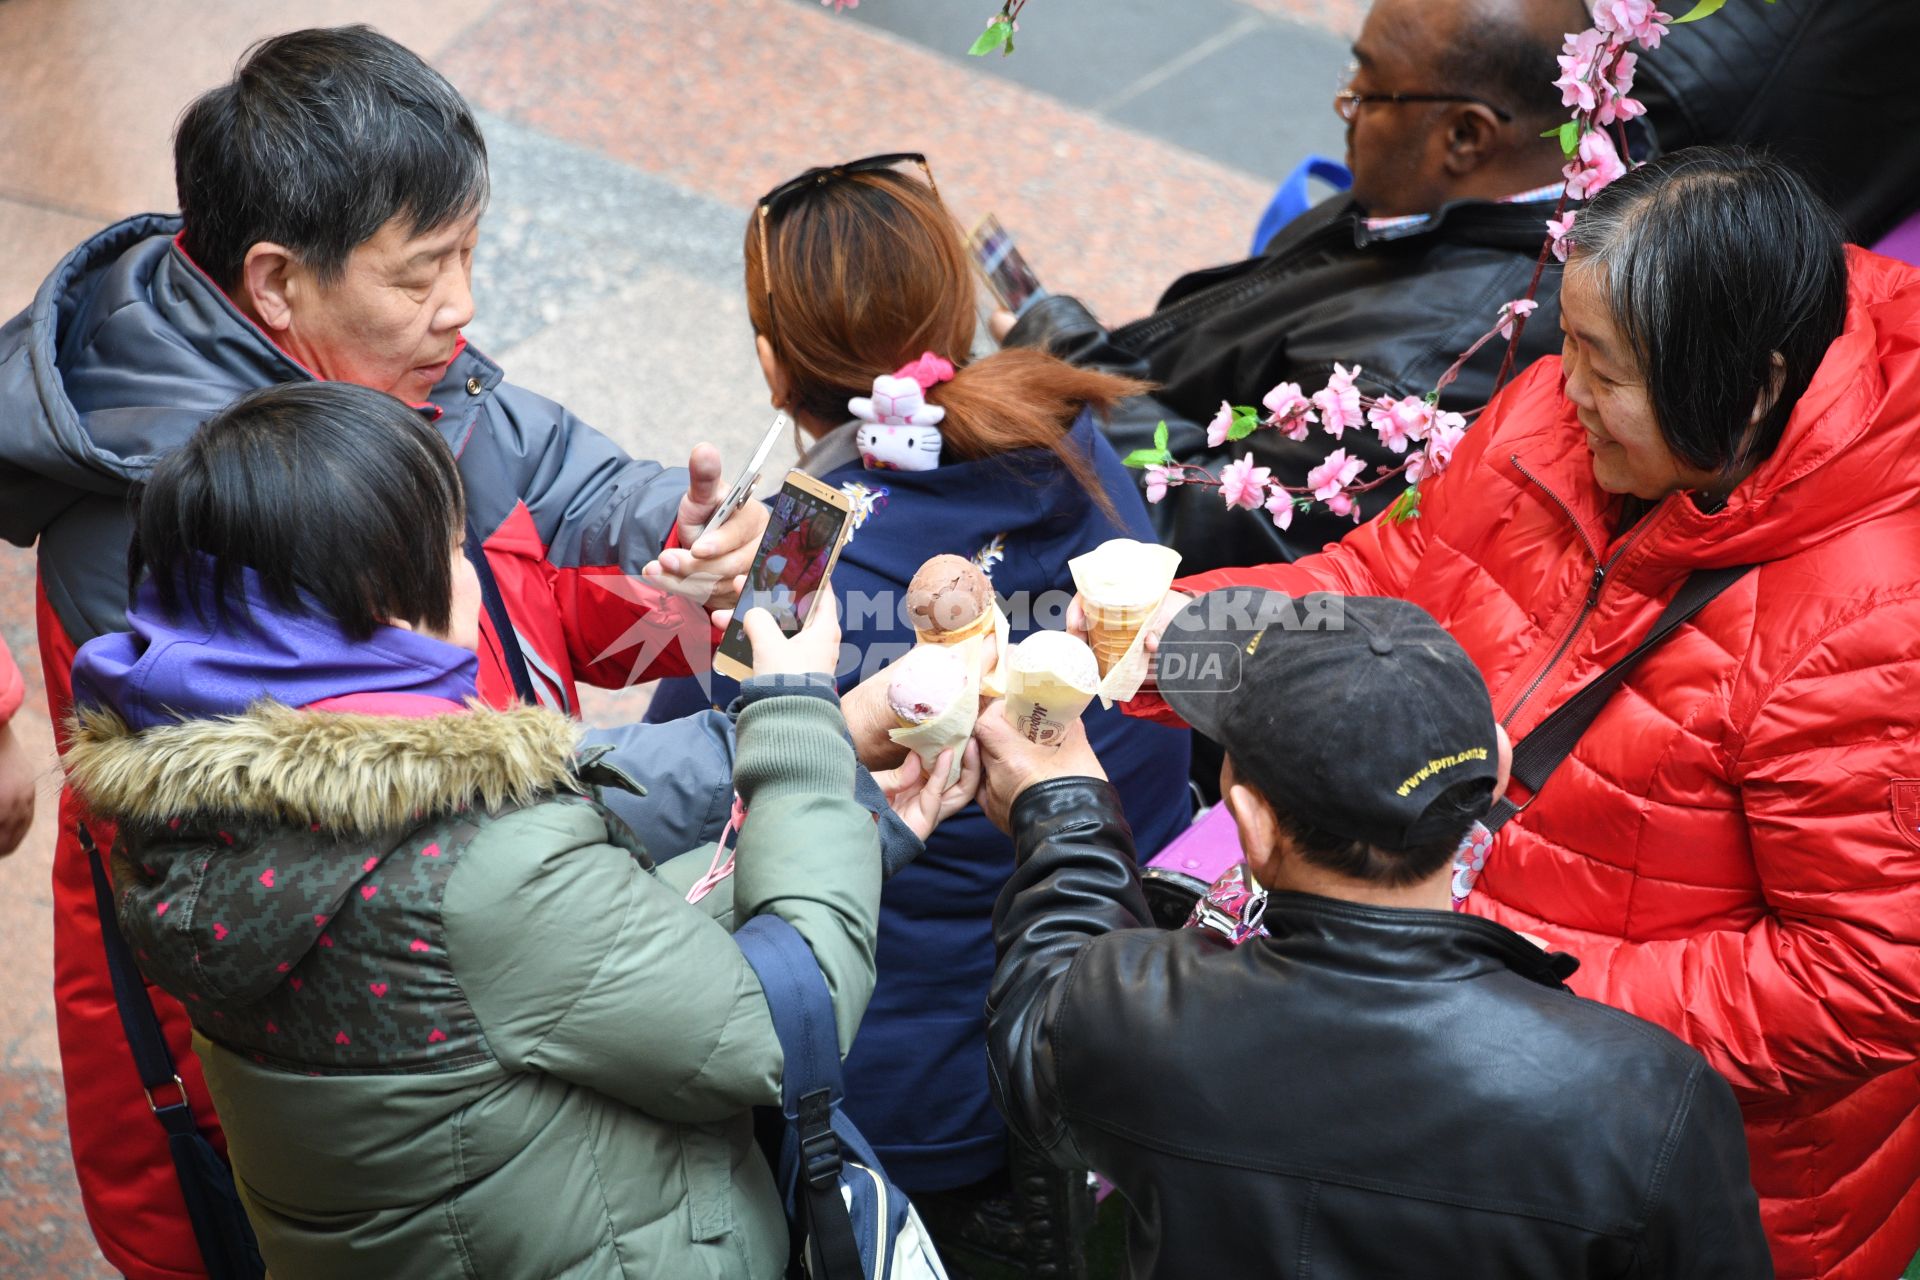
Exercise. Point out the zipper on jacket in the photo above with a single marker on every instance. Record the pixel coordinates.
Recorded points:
(1599, 581)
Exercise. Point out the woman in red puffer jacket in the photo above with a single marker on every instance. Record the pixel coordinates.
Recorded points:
(1733, 848)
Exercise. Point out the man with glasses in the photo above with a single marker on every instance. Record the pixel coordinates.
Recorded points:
(1453, 183)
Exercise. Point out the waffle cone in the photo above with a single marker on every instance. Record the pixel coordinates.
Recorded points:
(1111, 629)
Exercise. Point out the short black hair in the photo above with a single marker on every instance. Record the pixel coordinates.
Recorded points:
(1438, 834)
(1510, 63)
(1716, 258)
(322, 137)
(343, 500)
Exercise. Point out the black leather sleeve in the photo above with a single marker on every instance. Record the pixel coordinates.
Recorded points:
(1061, 325)
(1075, 881)
(1704, 1222)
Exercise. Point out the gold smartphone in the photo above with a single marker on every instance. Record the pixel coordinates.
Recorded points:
(808, 527)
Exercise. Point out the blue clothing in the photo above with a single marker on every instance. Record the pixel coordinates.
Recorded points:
(207, 662)
(917, 1074)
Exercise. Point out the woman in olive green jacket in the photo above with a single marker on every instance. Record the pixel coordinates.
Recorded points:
(454, 1020)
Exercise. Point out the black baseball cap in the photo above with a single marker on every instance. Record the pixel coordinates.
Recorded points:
(1352, 714)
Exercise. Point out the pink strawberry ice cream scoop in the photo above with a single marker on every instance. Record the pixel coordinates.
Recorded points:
(925, 683)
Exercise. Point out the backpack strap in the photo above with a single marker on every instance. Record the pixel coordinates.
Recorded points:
(1553, 739)
(811, 1087)
(220, 1228)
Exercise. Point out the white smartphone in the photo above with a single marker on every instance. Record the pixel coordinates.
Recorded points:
(749, 478)
(808, 526)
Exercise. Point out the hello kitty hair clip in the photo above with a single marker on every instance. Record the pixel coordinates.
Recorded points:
(900, 430)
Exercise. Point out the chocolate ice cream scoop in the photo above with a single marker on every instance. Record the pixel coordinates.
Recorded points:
(948, 594)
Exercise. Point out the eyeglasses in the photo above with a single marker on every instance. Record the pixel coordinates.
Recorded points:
(793, 190)
(1349, 100)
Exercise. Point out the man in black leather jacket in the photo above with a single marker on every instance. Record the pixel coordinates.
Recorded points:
(1372, 1085)
(1445, 222)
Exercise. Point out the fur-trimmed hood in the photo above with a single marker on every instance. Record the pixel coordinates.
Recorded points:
(354, 774)
(242, 838)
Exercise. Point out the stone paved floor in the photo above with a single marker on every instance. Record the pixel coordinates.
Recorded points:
(629, 139)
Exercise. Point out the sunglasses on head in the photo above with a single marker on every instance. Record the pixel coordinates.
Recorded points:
(790, 192)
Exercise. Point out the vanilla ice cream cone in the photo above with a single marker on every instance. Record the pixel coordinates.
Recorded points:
(1051, 677)
(1121, 584)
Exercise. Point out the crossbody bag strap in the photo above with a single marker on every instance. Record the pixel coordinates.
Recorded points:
(1537, 755)
(220, 1230)
(811, 1085)
(496, 606)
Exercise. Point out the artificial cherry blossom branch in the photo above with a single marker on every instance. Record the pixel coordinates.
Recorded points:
(1597, 69)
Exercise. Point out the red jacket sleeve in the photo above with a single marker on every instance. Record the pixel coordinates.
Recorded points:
(12, 688)
(1824, 988)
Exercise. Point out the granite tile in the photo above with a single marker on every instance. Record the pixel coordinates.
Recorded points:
(568, 228)
(1210, 104)
(1142, 64)
(36, 238)
(728, 100)
(43, 1233)
(94, 86)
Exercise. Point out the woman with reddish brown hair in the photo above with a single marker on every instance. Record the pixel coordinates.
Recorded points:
(863, 304)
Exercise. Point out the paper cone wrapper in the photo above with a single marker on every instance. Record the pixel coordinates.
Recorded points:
(1042, 706)
(1121, 585)
(951, 728)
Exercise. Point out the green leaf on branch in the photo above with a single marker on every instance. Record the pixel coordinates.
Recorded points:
(1406, 506)
(1160, 436)
(1147, 458)
(1570, 137)
(1245, 422)
(998, 35)
(1705, 9)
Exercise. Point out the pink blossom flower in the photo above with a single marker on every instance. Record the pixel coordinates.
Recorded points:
(1514, 310)
(1636, 20)
(1244, 485)
(1280, 507)
(1560, 229)
(1330, 478)
(1597, 165)
(1615, 105)
(1401, 422)
(1159, 480)
(838, 5)
(1339, 403)
(1616, 109)
(1344, 504)
(1291, 411)
(1578, 57)
(1222, 424)
(1448, 430)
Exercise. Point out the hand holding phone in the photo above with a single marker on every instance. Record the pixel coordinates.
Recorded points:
(805, 531)
(814, 649)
